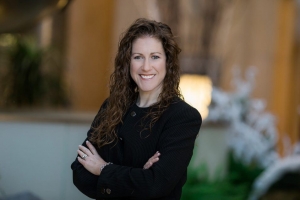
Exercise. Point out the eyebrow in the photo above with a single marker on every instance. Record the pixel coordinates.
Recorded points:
(150, 53)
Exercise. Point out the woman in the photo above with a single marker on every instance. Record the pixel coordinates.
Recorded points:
(144, 117)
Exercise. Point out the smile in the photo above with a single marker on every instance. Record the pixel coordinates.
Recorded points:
(147, 76)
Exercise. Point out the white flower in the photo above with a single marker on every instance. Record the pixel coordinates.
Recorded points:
(253, 133)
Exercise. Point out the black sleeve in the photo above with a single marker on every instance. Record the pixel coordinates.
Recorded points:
(85, 181)
(176, 147)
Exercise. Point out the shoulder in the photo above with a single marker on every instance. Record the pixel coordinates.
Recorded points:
(104, 104)
(97, 118)
(180, 120)
(179, 110)
(179, 106)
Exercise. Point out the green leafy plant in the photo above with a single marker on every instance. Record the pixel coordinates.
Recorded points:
(235, 186)
(27, 82)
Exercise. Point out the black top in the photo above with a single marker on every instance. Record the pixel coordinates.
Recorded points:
(173, 135)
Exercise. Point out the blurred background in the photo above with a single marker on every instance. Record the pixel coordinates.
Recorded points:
(240, 66)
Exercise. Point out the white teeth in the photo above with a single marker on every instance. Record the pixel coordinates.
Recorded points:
(147, 76)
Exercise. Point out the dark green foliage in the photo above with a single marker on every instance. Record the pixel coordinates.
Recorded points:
(235, 186)
(25, 76)
(26, 81)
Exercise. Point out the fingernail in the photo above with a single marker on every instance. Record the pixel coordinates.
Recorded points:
(87, 141)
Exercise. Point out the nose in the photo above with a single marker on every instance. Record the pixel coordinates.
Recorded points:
(146, 65)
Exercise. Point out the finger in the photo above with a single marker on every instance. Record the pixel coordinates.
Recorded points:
(85, 150)
(156, 155)
(154, 160)
(91, 147)
(147, 165)
(82, 155)
(80, 160)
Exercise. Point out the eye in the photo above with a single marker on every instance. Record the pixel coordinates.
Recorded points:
(137, 57)
(155, 57)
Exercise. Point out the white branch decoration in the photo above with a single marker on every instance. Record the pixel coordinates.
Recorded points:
(253, 135)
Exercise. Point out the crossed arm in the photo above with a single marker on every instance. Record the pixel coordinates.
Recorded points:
(92, 161)
(175, 148)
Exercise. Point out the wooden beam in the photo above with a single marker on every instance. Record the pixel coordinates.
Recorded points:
(285, 87)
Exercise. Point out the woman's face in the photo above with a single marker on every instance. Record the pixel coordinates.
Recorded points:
(148, 64)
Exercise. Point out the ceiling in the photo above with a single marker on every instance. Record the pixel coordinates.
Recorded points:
(18, 14)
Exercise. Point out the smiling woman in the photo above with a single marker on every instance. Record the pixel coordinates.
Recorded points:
(141, 141)
(148, 69)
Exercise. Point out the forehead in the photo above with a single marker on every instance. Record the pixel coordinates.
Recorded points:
(147, 43)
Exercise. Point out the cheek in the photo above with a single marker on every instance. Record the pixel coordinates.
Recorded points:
(134, 66)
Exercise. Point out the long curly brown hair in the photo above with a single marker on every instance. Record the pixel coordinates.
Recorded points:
(124, 91)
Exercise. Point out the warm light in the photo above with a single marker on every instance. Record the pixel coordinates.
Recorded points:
(62, 3)
(196, 90)
(46, 31)
(7, 40)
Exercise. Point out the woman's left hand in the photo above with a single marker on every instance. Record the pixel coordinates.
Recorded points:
(90, 158)
(152, 160)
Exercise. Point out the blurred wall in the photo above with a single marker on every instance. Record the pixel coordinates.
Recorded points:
(89, 59)
(247, 38)
(286, 87)
(38, 159)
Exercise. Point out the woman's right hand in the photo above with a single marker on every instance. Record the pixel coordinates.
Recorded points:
(152, 160)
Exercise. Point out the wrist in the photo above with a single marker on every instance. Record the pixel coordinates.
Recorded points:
(104, 165)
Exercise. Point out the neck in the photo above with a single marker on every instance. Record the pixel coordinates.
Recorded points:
(147, 99)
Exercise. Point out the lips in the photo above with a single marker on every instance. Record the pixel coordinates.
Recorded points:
(147, 76)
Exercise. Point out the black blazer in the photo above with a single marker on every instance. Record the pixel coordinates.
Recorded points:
(173, 135)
